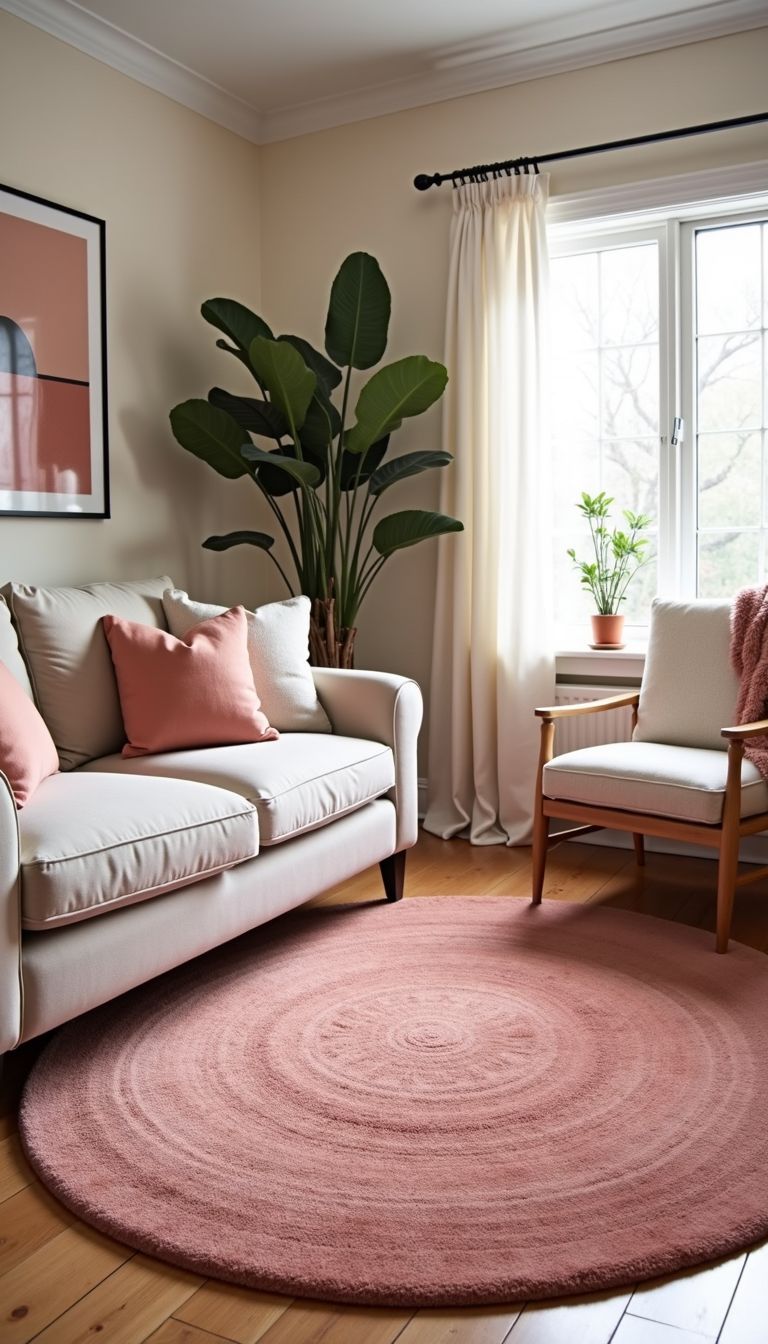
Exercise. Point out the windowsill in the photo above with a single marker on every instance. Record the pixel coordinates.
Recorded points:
(576, 661)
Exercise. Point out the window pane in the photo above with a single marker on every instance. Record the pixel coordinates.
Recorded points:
(728, 283)
(573, 284)
(730, 408)
(730, 484)
(629, 286)
(630, 391)
(631, 473)
(728, 561)
(730, 381)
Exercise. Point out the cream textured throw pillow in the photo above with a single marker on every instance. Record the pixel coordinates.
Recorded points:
(278, 647)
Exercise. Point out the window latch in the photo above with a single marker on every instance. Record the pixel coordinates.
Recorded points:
(678, 431)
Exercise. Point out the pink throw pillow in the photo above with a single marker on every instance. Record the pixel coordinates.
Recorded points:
(27, 751)
(191, 692)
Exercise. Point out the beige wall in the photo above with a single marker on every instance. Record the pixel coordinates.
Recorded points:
(180, 197)
(327, 194)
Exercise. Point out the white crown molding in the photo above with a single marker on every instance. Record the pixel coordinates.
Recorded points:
(529, 52)
(707, 191)
(112, 46)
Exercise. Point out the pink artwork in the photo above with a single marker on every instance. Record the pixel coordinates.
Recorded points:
(52, 360)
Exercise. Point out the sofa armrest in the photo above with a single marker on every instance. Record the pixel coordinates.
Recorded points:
(10, 921)
(384, 708)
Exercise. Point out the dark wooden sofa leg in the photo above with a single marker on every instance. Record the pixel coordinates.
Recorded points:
(393, 875)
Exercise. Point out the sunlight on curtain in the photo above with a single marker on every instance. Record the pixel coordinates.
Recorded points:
(493, 658)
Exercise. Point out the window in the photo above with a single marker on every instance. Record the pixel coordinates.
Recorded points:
(650, 323)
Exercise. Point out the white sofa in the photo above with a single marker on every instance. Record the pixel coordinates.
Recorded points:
(119, 869)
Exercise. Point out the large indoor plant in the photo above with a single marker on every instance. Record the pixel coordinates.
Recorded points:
(618, 556)
(326, 469)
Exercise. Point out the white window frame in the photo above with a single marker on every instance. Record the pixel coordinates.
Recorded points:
(675, 213)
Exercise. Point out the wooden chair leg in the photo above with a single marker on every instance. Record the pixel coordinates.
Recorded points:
(639, 840)
(540, 822)
(539, 853)
(729, 847)
(393, 875)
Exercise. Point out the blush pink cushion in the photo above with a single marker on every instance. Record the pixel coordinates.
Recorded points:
(27, 751)
(191, 692)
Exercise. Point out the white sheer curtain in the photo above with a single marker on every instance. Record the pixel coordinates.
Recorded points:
(492, 656)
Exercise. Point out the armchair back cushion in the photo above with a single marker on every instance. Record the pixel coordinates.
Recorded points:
(66, 653)
(689, 688)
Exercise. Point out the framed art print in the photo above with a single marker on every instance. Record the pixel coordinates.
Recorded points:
(53, 364)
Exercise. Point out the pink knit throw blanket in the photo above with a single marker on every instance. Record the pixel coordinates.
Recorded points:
(749, 657)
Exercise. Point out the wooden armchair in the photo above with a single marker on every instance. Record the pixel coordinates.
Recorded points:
(682, 776)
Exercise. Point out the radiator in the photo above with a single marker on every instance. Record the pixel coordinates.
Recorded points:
(590, 730)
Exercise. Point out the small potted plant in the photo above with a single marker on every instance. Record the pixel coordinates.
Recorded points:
(618, 556)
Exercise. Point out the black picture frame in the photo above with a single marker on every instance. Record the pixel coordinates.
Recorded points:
(54, 419)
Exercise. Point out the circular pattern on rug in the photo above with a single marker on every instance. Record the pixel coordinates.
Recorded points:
(446, 1101)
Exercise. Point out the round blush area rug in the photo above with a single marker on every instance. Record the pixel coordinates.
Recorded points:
(441, 1102)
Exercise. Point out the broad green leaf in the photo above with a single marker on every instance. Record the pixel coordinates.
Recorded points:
(236, 321)
(306, 473)
(358, 467)
(358, 313)
(409, 527)
(260, 539)
(410, 464)
(328, 376)
(407, 387)
(258, 417)
(285, 376)
(211, 435)
(321, 426)
(277, 482)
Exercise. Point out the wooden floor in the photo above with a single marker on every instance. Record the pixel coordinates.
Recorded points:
(62, 1283)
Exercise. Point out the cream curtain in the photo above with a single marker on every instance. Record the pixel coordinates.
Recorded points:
(492, 653)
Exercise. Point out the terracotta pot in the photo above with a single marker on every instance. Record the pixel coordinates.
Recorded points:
(607, 631)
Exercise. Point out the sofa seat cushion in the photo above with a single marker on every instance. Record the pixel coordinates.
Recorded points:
(687, 783)
(93, 842)
(297, 784)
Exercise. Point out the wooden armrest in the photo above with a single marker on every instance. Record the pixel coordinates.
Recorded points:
(630, 700)
(745, 730)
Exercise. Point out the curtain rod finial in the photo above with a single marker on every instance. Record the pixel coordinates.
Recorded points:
(423, 182)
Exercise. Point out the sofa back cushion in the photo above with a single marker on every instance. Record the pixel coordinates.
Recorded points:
(27, 751)
(66, 653)
(9, 650)
(278, 647)
(689, 688)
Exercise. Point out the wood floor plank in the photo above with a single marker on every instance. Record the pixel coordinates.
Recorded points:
(54, 1277)
(697, 1300)
(747, 1319)
(125, 1307)
(177, 1332)
(309, 1322)
(14, 1170)
(574, 1320)
(236, 1313)
(28, 1220)
(635, 1330)
(7, 1124)
(469, 1325)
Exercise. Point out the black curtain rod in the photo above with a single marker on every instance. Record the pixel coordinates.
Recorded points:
(481, 171)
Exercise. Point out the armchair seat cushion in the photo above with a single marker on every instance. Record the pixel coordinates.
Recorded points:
(301, 782)
(685, 783)
(91, 842)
